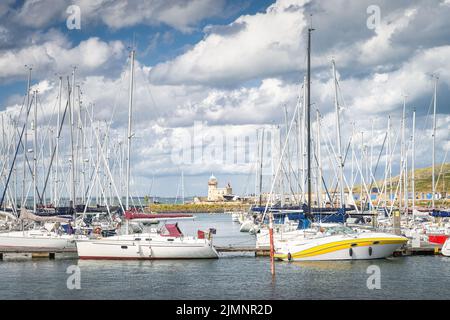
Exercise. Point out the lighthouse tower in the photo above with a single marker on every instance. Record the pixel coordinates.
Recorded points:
(212, 188)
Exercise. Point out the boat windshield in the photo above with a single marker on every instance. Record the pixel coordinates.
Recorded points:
(337, 230)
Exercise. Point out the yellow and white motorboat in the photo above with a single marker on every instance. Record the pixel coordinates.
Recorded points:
(339, 243)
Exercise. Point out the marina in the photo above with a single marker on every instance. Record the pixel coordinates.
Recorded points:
(245, 274)
(296, 166)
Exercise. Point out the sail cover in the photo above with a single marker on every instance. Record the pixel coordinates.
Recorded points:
(28, 215)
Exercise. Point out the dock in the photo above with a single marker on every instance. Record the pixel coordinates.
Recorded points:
(37, 253)
(71, 253)
(424, 250)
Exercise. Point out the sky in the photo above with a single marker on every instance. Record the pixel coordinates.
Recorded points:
(210, 73)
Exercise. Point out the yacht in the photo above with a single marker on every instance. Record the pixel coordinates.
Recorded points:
(48, 237)
(339, 243)
(166, 243)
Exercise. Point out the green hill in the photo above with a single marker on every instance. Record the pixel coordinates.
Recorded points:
(423, 179)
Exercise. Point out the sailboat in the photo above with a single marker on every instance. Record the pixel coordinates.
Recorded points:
(167, 242)
(50, 236)
(446, 248)
(331, 241)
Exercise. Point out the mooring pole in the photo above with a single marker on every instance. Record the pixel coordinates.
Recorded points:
(272, 249)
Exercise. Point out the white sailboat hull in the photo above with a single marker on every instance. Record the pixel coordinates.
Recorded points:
(126, 248)
(446, 248)
(29, 240)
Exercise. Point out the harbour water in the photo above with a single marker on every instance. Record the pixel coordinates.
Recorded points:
(233, 276)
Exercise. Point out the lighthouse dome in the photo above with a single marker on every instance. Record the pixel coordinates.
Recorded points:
(212, 179)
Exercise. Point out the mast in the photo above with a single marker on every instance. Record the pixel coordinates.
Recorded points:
(35, 153)
(302, 144)
(182, 186)
(338, 132)
(58, 120)
(130, 109)
(390, 160)
(387, 166)
(319, 163)
(361, 173)
(25, 141)
(434, 141)
(413, 155)
(308, 120)
(402, 155)
(72, 151)
(261, 168)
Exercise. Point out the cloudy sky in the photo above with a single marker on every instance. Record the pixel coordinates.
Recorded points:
(231, 68)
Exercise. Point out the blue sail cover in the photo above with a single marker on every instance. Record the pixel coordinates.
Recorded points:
(440, 214)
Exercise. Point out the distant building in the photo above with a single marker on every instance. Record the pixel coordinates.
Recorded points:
(215, 193)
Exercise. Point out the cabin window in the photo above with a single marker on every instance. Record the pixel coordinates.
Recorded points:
(137, 239)
(169, 239)
(124, 247)
(148, 239)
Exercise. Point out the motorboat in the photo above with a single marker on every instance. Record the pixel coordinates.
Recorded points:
(168, 242)
(339, 243)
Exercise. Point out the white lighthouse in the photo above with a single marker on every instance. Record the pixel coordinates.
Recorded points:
(215, 193)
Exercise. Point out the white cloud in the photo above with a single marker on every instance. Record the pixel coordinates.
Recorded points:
(180, 14)
(263, 44)
(57, 56)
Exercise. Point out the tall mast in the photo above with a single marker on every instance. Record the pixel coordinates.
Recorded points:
(25, 141)
(403, 157)
(338, 132)
(319, 163)
(302, 145)
(72, 151)
(390, 159)
(35, 153)
(386, 173)
(434, 141)
(413, 155)
(308, 120)
(261, 168)
(130, 109)
(58, 120)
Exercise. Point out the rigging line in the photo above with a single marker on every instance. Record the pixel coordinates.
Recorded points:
(15, 157)
(28, 163)
(279, 166)
(54, 148)
(376, 166)
(440, 171)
